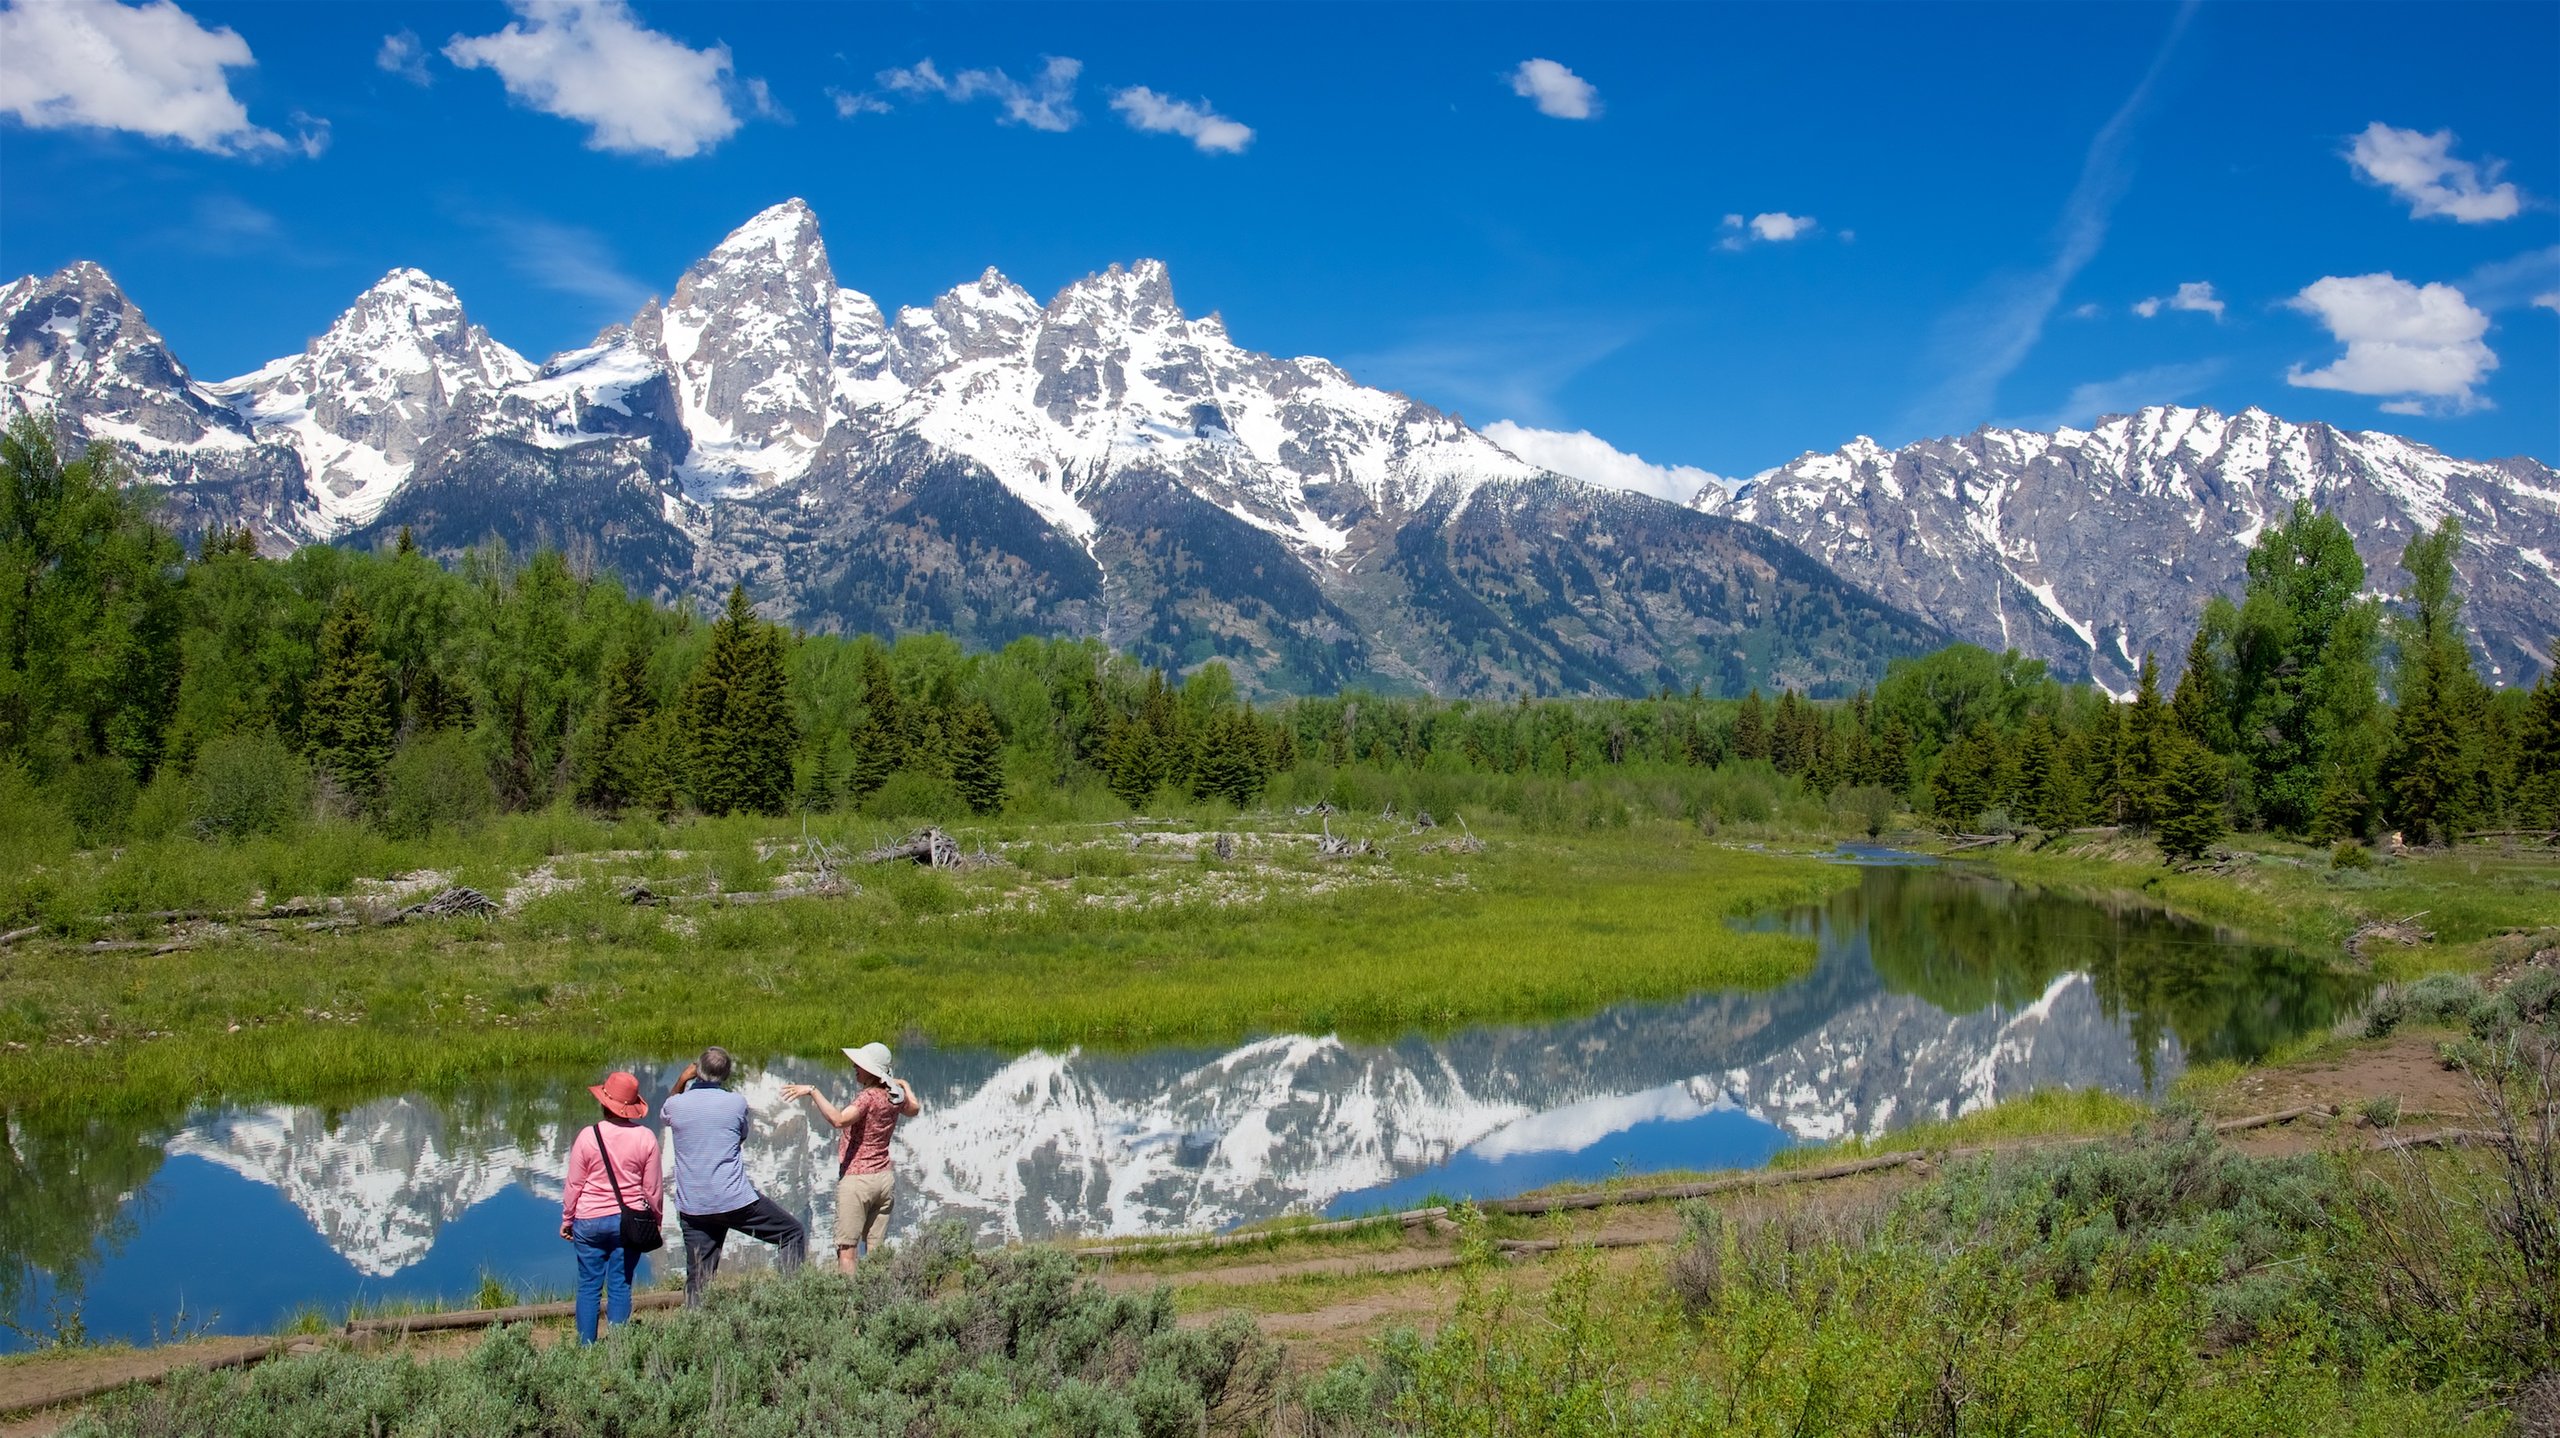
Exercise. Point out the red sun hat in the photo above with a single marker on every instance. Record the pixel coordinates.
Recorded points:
(620, 1095)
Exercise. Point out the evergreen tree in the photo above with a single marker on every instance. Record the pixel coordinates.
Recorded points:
(1967, 780)
(1751, 728)
(738, 728)
(2193, 821)
(1789, 749)
(1130, 766)
(2431, 773)
(614, 753)
(516, 777)
(1229, 765)
(2142, 768)
(1893, 758)
(2202, 703)
(977, 758)
(821, 777)
(346, 716)
(2538, 752)
(2044, 793)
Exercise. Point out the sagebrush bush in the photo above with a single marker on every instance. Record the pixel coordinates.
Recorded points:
(248, 784)
(933, 1337)
(436, 783)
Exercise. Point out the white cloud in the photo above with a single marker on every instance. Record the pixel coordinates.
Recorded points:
(2085, 311)
(1582, 455)
(1207, 130)
(402, 54)
(2416, 342)
(2517, 280)
(2550, 301)
(1773, 228)
(2195, 296)
(592, 61)
(1781, 227)
(566, 259)
(148, 69)
(1558, 91)
(1047, 103)
(2421, 169)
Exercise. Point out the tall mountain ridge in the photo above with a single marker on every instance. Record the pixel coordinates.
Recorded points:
(1105, 465)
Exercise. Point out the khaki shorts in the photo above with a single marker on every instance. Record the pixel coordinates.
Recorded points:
(862, 1207)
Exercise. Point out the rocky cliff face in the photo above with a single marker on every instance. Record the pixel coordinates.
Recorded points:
(2088, 547)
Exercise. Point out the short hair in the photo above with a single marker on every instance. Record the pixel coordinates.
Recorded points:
(715, 1064)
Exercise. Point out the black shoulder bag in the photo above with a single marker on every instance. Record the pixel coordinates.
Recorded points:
(641, 1232)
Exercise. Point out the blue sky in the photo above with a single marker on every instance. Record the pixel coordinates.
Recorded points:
(1717, 237)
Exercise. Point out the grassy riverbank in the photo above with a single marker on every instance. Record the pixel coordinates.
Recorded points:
(1069, 936)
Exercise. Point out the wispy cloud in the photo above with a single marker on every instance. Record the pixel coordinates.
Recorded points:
(1047, 102)
(1206, 129)
(1983, 341)
(2420, 168)
(405, 55)
(2523, 279)
(2160, 384)
(1512, 365)
(564, 259)
(1555, 90)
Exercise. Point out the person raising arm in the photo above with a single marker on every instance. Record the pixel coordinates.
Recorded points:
(865, 1188)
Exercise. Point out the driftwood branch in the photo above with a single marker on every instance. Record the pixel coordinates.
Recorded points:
(928, 846)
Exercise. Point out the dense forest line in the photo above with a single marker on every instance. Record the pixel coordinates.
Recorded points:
(146, 691)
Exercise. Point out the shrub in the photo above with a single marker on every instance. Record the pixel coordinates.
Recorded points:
(931, 1337)
(2348, 854)
(98, 796)
(436, 782)
(247, 784)
(2436, 999)
(912, 796)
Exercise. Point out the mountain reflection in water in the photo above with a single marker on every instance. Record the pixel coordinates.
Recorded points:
(1935, 992)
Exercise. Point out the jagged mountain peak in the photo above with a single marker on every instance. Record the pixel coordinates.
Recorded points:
(2087, 546)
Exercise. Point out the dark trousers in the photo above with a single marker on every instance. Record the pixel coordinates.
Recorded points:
(705, 1233)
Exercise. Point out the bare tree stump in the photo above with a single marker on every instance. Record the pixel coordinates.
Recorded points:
(928, 846)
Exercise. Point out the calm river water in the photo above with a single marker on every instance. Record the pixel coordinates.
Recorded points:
(1937, 991)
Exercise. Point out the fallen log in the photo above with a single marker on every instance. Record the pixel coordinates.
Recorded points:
(11, 937)
(454, 903)
(927, 846)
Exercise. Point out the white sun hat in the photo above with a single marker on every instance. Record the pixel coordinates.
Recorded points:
(872, 1059)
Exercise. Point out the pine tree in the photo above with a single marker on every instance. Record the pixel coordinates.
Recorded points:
(407, 544)
(347, 714)
(611, 756)
(821, 777)
(2143, 767)
(1130, 767)
(515, 773)
(2431, 774)
(1787, 738)
(1893, 757)
(1751, 728)
(2538, 752)
(738, 729)
(2040, 765)
(2193, 793)
(1229, 764)
(2202, 703)
(1967, 779)
(977, 758)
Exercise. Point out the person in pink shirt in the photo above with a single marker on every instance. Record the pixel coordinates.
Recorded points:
(616, 1152)
(864, 1186)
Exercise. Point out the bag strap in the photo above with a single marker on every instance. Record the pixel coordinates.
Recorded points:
(605, 1156)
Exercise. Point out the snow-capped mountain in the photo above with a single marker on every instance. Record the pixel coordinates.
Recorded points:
(1102, 464)
(2088, 547)
(1105, 464)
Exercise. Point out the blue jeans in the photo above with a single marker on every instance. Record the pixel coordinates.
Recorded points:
(604, 1271)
